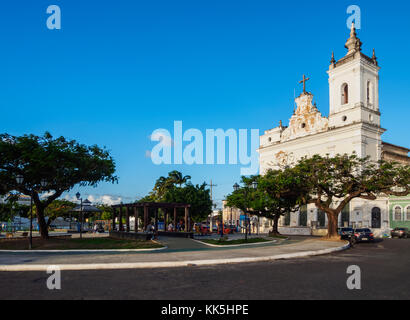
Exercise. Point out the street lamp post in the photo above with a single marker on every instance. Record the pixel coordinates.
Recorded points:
(254, 187)
(78, 195)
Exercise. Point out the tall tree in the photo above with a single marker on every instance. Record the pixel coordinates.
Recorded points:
(62, 163)
(198, 196)
(178, 178)
(248, 199)
(282, 192)
(333, 182)
(164, 184)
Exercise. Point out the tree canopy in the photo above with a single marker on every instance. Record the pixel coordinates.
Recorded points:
(177, 188)
(328, 182)
(61, 163)
(277, 193)
(332, 182)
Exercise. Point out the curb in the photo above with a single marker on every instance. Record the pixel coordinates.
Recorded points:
(235, 245)
(83, 251)
(170, 264)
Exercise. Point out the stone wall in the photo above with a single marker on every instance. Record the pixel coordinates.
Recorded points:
(300, 231)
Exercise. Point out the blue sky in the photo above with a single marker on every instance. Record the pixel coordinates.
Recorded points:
(118, 70)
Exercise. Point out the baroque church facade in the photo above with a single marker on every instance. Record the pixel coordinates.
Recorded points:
(353, 125)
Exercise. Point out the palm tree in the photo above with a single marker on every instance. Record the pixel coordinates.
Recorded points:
(177, 178)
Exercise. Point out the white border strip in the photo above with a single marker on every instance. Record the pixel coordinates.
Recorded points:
(170, 264)
(84, 251)
(235, 245)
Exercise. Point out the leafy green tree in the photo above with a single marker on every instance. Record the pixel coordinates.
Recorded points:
(164, 184)
(198, 196)
(62, 163)
(106, 212)
(248, 199)
(178, 178)
(11, 208)
(332, 182)
(282, 192)
(58, 208)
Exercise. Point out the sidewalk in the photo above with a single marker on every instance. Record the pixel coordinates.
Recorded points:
(180, 252)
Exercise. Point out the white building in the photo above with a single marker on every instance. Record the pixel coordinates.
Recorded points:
(353, 125)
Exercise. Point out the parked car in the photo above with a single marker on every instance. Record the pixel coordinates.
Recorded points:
(364, 234)
(345, 233)
(400, 233)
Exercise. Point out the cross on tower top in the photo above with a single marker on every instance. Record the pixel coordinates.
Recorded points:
(304, 83)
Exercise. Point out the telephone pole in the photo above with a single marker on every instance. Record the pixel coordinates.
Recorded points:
(212, 185)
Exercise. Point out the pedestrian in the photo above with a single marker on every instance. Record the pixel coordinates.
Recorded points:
(149, 227)
(170, 227)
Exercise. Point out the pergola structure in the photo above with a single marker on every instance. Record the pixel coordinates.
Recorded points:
(143, 207)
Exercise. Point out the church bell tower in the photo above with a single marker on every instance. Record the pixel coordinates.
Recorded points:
(354, 87)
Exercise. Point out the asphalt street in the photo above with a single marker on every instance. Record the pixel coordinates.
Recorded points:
(385, 268)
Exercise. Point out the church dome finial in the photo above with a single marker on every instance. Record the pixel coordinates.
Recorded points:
(353, 44)
(374, 58)
(333, 61)
(353, 30)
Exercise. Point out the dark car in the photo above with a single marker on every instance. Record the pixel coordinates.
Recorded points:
(345, 233)
(400, 233)
(364, 234)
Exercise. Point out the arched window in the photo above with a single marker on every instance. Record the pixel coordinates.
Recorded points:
(369, 93)
(345, 93)
(408, 213)
(397, 213)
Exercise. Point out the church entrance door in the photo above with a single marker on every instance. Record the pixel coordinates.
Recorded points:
(303, 216)
(376, 218)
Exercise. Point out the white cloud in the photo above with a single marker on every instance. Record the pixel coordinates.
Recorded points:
(97, 199)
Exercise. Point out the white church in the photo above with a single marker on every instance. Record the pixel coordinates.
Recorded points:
(353, 125)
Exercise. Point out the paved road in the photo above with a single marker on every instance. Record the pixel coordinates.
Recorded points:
(385, 270)
(178, 250)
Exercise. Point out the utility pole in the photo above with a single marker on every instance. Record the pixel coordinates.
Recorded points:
(212, 185)
(212, 201)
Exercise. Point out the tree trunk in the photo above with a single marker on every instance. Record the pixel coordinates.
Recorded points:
(275, 230)
(42, 222)
(332, 225)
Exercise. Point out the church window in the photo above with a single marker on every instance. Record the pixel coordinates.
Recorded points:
(397, 213)
(345, 93)
(286, 221)
(344, 118)
(303, 216)
(369, 93)
(408, 213)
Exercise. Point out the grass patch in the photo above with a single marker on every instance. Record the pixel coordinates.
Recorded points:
(233, 242)
(78, 244)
